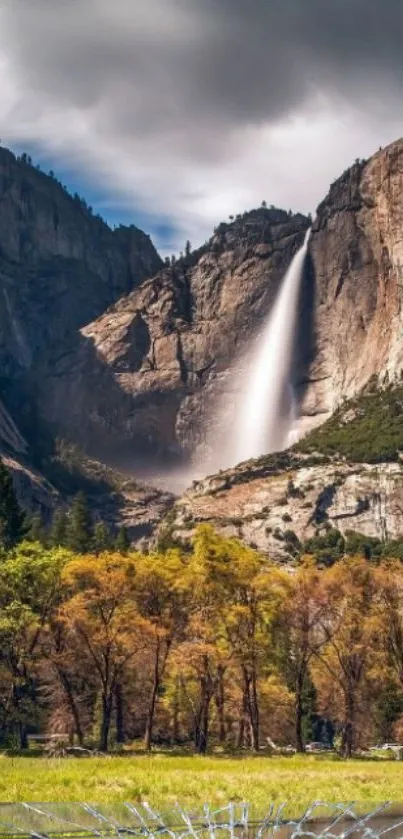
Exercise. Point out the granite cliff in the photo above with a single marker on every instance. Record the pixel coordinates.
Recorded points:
(103, 345)
(168, 347)
(356, 266)
(59, 268)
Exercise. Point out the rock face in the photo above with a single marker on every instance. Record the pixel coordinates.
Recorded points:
(103, 345)
(34, 492)
(145, 375)
(59, 268)
(168, 346)
(267, 505)
(356, 268)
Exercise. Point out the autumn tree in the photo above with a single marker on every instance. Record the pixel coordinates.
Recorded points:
(161, 599)
(102, 620)
(350, 651)
(29, 586)
(257, 597)
(389, 578)
(202, 656)
(66, 676)
(305, 610)
(389, 609)
(235, 595)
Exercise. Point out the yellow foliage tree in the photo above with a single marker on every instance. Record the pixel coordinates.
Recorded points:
(350, 652)
(102, 619)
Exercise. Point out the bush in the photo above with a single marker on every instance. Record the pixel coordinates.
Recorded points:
(326, 547)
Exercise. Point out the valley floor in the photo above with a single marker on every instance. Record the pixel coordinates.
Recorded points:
(163, 780)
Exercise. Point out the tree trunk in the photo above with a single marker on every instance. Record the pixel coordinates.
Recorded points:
(252, 707)
(299, 713)
(22, 736)
(105, 722)
(196, 732)
(68, 691)
(242, 719)
(153, 700)
(202, 721)
(255, 714)
(348, 733)
(21, 727)
(204, 724)
(120, 729)
(220, 704)
(175, 714)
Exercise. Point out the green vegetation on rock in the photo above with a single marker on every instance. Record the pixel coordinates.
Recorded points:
(368, 429)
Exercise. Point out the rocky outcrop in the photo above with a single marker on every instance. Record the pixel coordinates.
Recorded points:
(279, 502)
(169, 345)
(356, 265)
(35, 494)
(113, 497)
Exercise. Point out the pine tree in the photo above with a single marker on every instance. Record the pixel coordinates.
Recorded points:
(122, 543)
(36, 531)
(12, 518)
(58, 530)
(102, 537)
(79, 527)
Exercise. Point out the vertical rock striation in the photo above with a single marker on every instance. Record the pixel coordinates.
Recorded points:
(356, 252)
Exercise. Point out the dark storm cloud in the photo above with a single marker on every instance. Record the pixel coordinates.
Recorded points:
(195, 109)
(201, 66)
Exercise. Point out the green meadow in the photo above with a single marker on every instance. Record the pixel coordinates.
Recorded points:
(163, 780)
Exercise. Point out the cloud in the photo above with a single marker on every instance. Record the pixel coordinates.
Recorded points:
(193, 109)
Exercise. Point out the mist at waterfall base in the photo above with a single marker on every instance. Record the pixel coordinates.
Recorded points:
(261, 416)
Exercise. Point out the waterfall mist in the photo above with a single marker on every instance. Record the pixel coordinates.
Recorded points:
(267, 414)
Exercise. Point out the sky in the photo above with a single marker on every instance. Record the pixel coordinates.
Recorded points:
(174, 114)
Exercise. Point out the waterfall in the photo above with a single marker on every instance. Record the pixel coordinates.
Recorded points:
(267, 408)
(256, 412)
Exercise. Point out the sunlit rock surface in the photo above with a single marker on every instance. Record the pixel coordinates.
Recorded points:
(356, 249)
(268, 504)
(169, 345)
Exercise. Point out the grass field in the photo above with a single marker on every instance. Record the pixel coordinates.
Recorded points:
(163, 780)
